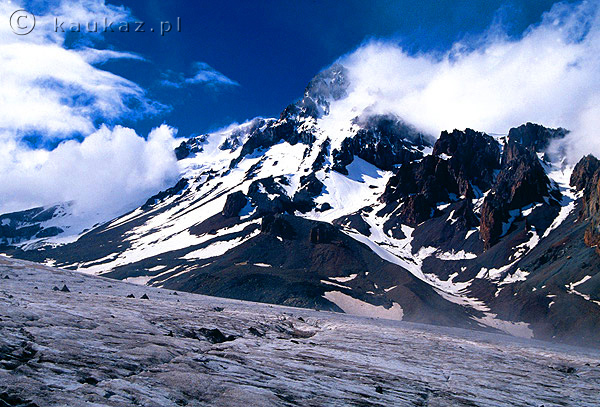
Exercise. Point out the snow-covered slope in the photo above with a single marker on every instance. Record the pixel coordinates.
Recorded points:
(467, 230)
(53, 225)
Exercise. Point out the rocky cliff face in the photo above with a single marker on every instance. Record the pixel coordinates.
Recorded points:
(586, 179)
(382, 140)
(535, 137)
(461, 166)
(521, 182)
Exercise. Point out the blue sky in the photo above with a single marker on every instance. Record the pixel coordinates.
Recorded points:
(273, 48)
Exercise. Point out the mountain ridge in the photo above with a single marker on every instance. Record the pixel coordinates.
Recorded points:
(337, 209)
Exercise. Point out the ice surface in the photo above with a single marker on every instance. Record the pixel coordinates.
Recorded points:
(93, 346)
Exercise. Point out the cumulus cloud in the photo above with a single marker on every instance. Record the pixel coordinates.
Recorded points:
(203, 74)
(111, 171)
(56, 92)
(549, 75)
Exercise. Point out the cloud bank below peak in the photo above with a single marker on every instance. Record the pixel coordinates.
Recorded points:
(549, 75)
(110, 172)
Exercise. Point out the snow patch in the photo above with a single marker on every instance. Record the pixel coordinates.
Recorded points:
(335, 284)
(353, 306)
(344, 279)
(452, 255)
(141, 280)
(519, 329)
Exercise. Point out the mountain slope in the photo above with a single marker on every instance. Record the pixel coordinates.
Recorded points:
(338, 209)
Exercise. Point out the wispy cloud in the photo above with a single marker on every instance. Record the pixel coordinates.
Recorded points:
(55, 92)
(203, 74)
(206, 74)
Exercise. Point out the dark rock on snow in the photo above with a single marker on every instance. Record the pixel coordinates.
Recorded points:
(234, 204)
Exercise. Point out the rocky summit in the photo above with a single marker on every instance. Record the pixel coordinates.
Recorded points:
(338, 209)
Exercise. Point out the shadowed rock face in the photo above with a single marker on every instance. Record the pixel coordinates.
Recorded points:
(522, 181)
(382, 140)
(277, 226)
(584, 172)
(534, 136)
(322, 233)
(354, 222)
(310, 187)
(586, 178)
(234, 204)
(189, 147)
(462, 162)
(162, 195)
(268, 196)
(474, 157)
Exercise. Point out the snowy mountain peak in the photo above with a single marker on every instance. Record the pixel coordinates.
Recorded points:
(333, 206)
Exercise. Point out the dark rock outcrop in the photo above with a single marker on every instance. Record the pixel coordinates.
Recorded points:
(521, 182)
(534, 136)
(49, 232)
(428, 178)
(472, 159)
(278, 226)
(322, 156)
(266, 133)
(268, 196)
(586, 178)
(322, 233)
(584, 172)
(462, 165)
(234, 203)
(215, 335)
(465, 218)
(354, 221)
(162, 195)
(190, 146)
(416, 209)
(382, 140)
(310, 187)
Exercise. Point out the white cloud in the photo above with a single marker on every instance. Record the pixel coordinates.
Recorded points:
(110, 171)
(56, 92)
(207, 74)
(549, 76)
(203, 74)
